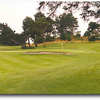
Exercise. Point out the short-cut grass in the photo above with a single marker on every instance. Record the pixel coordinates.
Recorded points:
(78, 73)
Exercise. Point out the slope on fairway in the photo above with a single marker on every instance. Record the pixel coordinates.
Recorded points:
(78, 73)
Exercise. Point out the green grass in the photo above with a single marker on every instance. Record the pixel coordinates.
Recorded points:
(78, 73)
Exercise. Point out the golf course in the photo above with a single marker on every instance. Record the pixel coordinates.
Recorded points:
(66, 68)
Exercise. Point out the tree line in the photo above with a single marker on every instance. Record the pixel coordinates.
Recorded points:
(41, 29)
(46, 28)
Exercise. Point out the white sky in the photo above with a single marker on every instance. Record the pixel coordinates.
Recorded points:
(13, 13)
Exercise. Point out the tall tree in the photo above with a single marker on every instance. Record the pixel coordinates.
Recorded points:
(37, 28)
(43, 26)
(66, 23)
(28, 25)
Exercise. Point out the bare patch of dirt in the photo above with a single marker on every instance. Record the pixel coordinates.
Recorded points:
(46, 53)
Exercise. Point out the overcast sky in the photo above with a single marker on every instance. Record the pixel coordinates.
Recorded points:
(14, 11)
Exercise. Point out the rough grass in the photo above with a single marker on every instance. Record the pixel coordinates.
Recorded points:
(78, 73)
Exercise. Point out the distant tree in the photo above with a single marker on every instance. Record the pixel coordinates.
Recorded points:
(7, 35)
(19, 38)
(38, 28)
(92, 31)
(66, 24)
(87, 34)
(44, 26)
(93, 26)
(77, 35)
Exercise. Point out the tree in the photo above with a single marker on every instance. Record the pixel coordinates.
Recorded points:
(19, 38)
(28, 25)
(69, 7)
(93, 26)
(7, 35)
(77, 36)
(92, 30)
(38, 28)
(66, 24)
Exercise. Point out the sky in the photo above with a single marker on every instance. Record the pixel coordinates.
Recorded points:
(13, 12)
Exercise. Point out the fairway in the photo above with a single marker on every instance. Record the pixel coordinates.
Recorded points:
(77, 73)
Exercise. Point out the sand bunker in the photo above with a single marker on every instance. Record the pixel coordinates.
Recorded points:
(47, 53)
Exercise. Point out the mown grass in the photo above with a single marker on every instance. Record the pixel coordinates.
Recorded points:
(78, 73)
